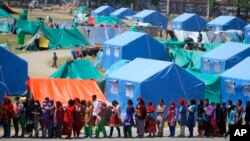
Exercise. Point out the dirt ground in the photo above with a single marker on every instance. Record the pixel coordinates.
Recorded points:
(40, 62)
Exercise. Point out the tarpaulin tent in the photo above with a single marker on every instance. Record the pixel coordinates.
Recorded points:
(64, 24)
(107, 20)
(64, 89)
(235, 82)
(80, 10)
(225, 36)
(103, 11)
(130, 45)
(223, 23)
(152, 17)
(99, 35)
(116, 66)
(98, 62)
(122, 13)
(247, 33)
(5, 10)
(55, 38)
(189, 22)
(152, 80)
(78, 69)
(13, 74)
(212, 85)
(224, 57)
(28, 27)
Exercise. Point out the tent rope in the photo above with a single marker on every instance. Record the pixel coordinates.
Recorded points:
(182, 87)
(148, 47)
(3, 83)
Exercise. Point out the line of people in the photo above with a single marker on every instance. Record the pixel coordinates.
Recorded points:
(53, 121)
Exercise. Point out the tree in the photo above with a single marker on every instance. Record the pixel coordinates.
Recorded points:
(242, 6)
(213, 7)
(155, 3)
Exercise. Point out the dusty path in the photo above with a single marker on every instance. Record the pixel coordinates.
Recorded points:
(39, 63)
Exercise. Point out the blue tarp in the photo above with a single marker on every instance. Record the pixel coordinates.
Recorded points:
(224, 57)
(122, 13)
(116, 66)
(131, 45)
(247, 33)
(223, 23)
(13, 74)
(153, 17)
(64, 24)
(103, 11)
(152, 80)
(189, 22)
(235, 82)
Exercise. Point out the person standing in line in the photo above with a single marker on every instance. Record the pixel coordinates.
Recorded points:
(44, 119)
(69, 119)
(247, 116)
(30, 118)
(100, 122)
(201, 118)
(150, 123)
(17, 110)
(223, 119)
(51, 129)
(8, 113)
(183, 117)
(191, 114)
(115, 120)
(171, 118)
(36, 111)
(23, 119)
(78, 118)
(140, 116)
(239, 112)
(88, 119)
(58, 119)
(160, 117)
(54, 64)
(129, 120)
(232, 119)
(95, 109)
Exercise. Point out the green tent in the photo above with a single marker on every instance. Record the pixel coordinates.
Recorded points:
(191, 60)
(78, 69)
(80, 10)
(212, 85)
(55, 38)
(4, 13)
(4, 26)
(110, 20)
(28, 27)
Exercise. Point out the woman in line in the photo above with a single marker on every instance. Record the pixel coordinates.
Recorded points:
(36, 111)
(183, 117)
(160, 117)
(201, 118)
(129, 120)
(140, 116)
(150, 123)
(78, 118)
(58, 119)
(171, 118)
(191, 114)
(88, 120)
(115, 120)
(69, 119)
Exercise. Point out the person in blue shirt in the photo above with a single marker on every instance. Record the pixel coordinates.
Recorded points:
(183, 117)
(232, 119)
(191, 115)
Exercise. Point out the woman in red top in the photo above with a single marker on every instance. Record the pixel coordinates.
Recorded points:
(150, 123)
(8, 113)
(171, 118)
(58, 119)
(78, 118)
(68, 119)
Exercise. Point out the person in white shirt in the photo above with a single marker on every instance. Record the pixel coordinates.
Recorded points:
(95, 110)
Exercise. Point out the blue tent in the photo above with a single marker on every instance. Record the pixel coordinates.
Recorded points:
(189, 22)
(224, 57)
(116, 66)
(152, 80)
(131, 45)
(151, 16)
(235, 82)
(247, 33)
(223, 23)
(13, 74)
(103, 11)
(122, 13)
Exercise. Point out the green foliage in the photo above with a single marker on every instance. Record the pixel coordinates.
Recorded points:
(155, 2)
